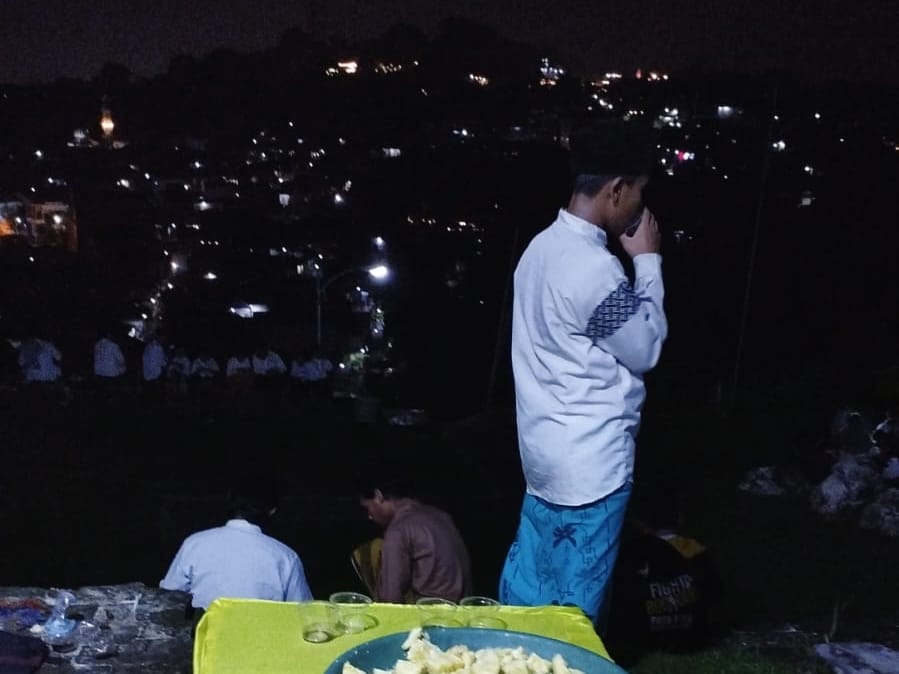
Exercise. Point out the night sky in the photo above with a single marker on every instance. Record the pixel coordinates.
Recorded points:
(815, 39)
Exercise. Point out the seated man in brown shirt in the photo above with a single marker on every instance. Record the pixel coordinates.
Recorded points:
(422, 553)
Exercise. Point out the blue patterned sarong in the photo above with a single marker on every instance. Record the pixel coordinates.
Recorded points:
(565, 555)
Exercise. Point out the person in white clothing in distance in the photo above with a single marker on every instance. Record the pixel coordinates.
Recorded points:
(583, 335)
(109, 361)
(204, 366)
(154, 359)
(268, 363)
(39, 360)
(239, 365)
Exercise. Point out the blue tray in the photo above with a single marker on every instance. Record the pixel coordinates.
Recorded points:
(385, 651)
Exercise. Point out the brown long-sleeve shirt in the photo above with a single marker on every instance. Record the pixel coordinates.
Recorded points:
(423, 556)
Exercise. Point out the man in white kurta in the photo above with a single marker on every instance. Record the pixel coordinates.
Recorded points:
(583, 335)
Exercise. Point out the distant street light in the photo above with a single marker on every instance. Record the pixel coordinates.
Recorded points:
(106, 123)
(378, 272)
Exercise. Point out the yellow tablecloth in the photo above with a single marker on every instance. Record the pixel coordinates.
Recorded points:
(246, 636)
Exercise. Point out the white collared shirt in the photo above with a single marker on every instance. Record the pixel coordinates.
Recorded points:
(239, 561)
(315, 369)
(272, 363)
(238, 365)
(582, 338)
(109, 361)
(153, 361)
(204, 368)
(39, 360)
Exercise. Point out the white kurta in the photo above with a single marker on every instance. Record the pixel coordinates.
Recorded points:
(582, 338)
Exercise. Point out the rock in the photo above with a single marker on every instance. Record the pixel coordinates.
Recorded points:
(883, 513)
(123, 628)
(851, 480)
(891, 470)
(886, 434)
(859, 658)
(762, 481)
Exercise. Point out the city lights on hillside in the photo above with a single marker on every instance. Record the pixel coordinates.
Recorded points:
(347, 67)
(670, 117)
(550, 71)
(385, 68)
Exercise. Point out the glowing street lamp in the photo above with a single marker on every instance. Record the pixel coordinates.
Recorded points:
(379, 272)
(106, 123)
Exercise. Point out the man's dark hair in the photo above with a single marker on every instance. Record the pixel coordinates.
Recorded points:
(590, 185)
(606, 150)
(254, 503)
(392, 478)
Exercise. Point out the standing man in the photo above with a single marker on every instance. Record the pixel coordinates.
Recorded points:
(583, 336)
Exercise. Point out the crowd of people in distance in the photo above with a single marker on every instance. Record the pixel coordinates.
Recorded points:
(38, 361)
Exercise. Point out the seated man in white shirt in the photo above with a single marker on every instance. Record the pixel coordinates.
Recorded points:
(312, 370)
(109, 361)
(267, 363)
(239, 366)
(39, 360)
(204, 367)
(154, 359)
(237, 560)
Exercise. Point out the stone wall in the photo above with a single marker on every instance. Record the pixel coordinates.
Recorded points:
(122, 628)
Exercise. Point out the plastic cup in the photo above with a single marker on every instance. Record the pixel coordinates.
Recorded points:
(482, 612)
(319, 620)
(436, 612)
(352, 609)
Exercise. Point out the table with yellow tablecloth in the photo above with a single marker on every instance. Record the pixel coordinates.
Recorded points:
(246, 635)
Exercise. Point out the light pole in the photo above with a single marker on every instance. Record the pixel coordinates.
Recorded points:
(378, 272)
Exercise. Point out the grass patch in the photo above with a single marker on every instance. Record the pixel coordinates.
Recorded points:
(721, 661)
